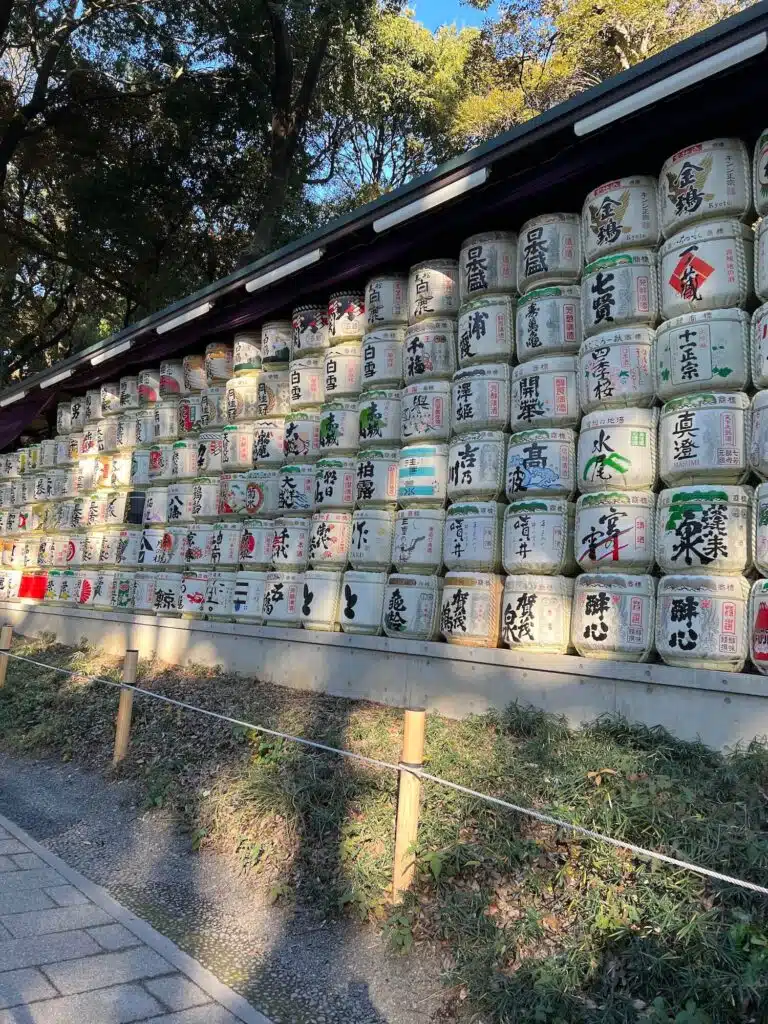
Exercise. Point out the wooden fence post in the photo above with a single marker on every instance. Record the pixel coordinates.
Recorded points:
(125, 707)
(6, 636)
(408, 796)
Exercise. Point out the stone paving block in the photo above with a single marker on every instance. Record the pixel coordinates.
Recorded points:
(21, 902)
(60, 919)
(4, 933)
(24, 987)
(6, 864)
(45, 949)
(4, 834)
(67, 895)
(113, 937)
(107, 969)
(28, 861)
(12, 846)
(118, 1005)
(177, 992)
(209, 1014)
(17, 881)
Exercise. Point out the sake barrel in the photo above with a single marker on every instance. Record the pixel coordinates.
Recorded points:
(75, 440)
(129, 394)
(194, 584)
(171, 551)
(381, 359)
(476, 466)
(706, 266)
(225, 545)
(151, 540)
(37, 586)
(63, 417)
(276, 341)
(214, 408)
(66, 591)
(426, 411)
(761, 262)
(197, 546)
(184, 460)
(93, 543)
(705, 350)
(538, 537)
(480, 398)
(190, 414)
(620, 214)
(60, 550)
(296, 488)
(335, 483)
(220, 597)
(167, 419)
(268, 442)
(411, 607)
(545, 393)
(128, 546)
(93, 410)
(379, 414)
(122, 594)
(246, 354)
(248, 597)
(98, 504)
(760, 174)
(709, 179)
(486, 330)
(125, 507)
(433, 289)
(161, 463)
(758, 626)
(172, 378)
(144, 590)
(339, 428)
(310, 330)
(329, 539)
(145, 427)
(472, 536)
(620, 291)
(613, 616)
(283, 593)
(256, 543)
(274, 393)
(47, 454)
(377, 477)
(320, 600)
(536, 614)
(342, 371)
(703, 622)
(705, 438)
(346, 316)
(704, 529)
(168, 593)
(301, 436)
(362, 598)
(263, 491)
(88, 442)
(429, 351)
(104, 592)
(307, 379)
(85, 585)
(549, 251)
(181, 502)
(210, 451)
(237, 454)
(77, 413)
(423, 475)
(62, 456)
(760, 528)
(110, 398)
(548, 322)
(615, 531)
(370, 545)
(617, 450)
(140, 467)
(417, 544)
(616, 369)
(488, 263)
(243, 398)
(470, 612)
(233, 493)
(218, 362)
(386, 301)
(156, 506)
(195, 379)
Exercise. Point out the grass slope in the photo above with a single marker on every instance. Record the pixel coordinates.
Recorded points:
(533, 924)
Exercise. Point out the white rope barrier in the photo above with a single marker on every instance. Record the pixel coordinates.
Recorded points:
(418, 772)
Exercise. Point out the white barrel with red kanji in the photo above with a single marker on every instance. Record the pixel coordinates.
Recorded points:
(617, 450)
(536, 614)
(758, 626)
(194, 584)
(171, 552)
(613, 616)
(614, 531)
(470, 613)
(262, 492)
(538, 537)
(704, 528)
(703, 622)
(616, 369)
(706, 438)
(172, 378)
(707, 266)
(329, 538)
(256, 543)
(411, 607)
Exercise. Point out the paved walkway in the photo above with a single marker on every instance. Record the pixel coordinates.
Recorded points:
(70, 954)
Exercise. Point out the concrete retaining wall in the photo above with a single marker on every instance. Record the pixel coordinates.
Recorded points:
(721, 709)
